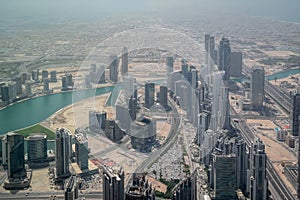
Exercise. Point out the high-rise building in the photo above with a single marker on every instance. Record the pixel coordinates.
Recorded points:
(132, 105)
(224, 57)
(24, 77)
(225, 108)
(34, 75)
(71, 188)
(140, 188)
(64, 85)
(113, 183)
(28, 85)
(62, 152)
(123, 116)
(129, 87)
(224, 168)
(12, 90)
(241, 165)
(1, 156)
(14, 145)
(170, 64)
(298, 178)
(295, 113)
(81, 151)
(186, 189)
(97, 120)
(236, 64)
(194, 78)
(258, 181)
(113, 130)
(37, 149)
(124, 61)
(46, 85)
(53, 77)
(113, 68)
(163, 96)
(149, 94)
(45, 74)
(206, 43)
(211, 49)
(18, 82)
(257, 83)
(70, 82)
(5, 94)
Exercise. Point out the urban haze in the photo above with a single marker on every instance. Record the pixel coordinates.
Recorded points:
(150, 99)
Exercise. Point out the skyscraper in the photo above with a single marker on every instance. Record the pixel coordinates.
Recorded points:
(295, 113)
(224, 57)
(298, 178)
(170, 64)
(5, 94)
(206, 43)
(46, 85)
(236, 64)
(257, 84)
(37, 149)
(186, 189)
(12, 90)
(211, 49)
(225, 108)
(149, 94)
(18, 81)
(28, 90)
(113, 68)
(224, 176)
(97, 120)
(241, 165)
(45, 74)
(258, 181)
(81, 151)
(124, 61)
(140, 188)
(113, 183)
(62, 152)
(53, 76)
(15, 155)
(71, 188)
(163, 96)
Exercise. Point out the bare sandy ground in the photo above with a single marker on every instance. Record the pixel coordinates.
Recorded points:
(76, 115)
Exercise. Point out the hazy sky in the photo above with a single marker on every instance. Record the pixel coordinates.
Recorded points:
(75, 9)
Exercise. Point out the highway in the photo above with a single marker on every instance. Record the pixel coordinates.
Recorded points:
(166, 145)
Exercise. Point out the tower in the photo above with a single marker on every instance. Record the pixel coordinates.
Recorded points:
(224, 57)
(224, 176)
(124, 61)
(113, 68)
(81, 151)
(15, 155)
(257, 87)
(62, 152)
(149, 94)
(298, 180)
(206, 43)
(163, 96)
(113, 183)
(295, 113)
(37, 149)
(236, 64)
(258, 181)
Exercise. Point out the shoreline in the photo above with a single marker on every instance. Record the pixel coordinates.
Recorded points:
(54, 93)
